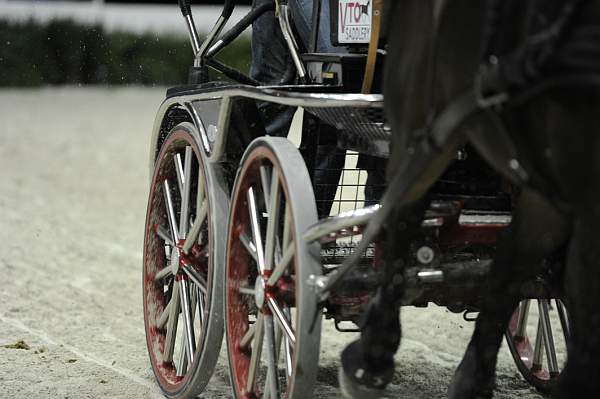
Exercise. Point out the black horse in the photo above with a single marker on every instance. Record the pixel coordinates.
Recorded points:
(520, 81)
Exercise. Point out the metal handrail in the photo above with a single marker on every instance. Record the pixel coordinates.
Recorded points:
(200, 49)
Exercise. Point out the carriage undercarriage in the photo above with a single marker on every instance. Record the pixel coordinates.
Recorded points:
(243, 233)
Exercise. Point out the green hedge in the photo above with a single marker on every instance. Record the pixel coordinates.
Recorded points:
(64, 52)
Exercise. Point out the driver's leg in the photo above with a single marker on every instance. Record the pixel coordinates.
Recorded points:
(302, 16)
(270, 61)
(329, 158)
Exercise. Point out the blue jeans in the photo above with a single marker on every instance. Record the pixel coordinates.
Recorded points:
(270, 61)
(302, 17)
(271, 58)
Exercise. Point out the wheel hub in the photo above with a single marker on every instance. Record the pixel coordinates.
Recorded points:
(259, 292)
(175, 261)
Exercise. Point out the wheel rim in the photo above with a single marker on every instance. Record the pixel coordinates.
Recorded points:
(537, 336)
(177, 263)
(266, 306)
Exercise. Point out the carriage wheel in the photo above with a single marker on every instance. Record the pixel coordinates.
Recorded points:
(272, 319)
(536, 338)
(183, 333)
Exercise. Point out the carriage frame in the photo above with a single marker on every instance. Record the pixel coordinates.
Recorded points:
(205, 117)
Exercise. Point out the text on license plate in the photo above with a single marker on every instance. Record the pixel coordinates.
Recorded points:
(354, 21)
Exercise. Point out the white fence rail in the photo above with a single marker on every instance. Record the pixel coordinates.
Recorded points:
(115, 17)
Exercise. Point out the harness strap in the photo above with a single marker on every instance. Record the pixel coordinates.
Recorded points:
(471, 103)
(509, 81)
(524, 66)
(373, 46)
(489, 93)
(454, 115)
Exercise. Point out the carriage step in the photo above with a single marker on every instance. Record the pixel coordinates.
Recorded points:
(351, 223)
(344, 224)
(472, 218)
(307, 96)
(360, 129)
(471, 272)
(359, 115)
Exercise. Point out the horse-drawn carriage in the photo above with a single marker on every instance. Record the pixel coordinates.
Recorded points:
(249, 236)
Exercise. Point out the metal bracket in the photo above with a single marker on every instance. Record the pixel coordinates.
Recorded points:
(319, 286)
(282, 12)
(468, 318)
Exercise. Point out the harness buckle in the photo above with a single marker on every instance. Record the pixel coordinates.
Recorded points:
(490, 90)
(494, 100)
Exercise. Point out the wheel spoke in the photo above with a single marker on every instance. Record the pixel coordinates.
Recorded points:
(182, 364)
(288, 350)
(162, 273)
(163, 233)
(256, 353)
(197, 278)
(200, 190)
(282, 319)
(179, 171)
(172, 323)
(564, 319)
(548, 337)
(256, 235)
(288, 360)
(538, 353)
(201, 212)
(279, 339)
(287, 226)
(272, 379)
(245, 290)
(264, 180)
(273, 220)
(287, 353)
(162, 320)
(284, 262)
(201, 307)
(248, 337)
(521, 330)
(170, 210)
(196, 227)
(185, 193)
(249, 245)
(193, 301)
(190, 340)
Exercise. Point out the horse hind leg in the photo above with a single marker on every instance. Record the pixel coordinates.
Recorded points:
(368, 363)
(581, 375)
(537, 230)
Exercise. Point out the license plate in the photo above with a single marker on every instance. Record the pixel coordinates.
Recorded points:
(354, 21)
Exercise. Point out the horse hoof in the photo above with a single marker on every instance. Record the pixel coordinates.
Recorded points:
(468, 382)
(357, 381)
(352, 389)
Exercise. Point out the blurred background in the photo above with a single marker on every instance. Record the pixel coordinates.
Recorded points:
(80, 84)
(100, 42)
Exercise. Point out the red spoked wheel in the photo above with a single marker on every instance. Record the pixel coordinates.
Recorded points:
(181, 285)
(540, 356)
(272, 318)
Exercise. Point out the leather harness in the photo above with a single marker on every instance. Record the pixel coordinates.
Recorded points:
(502, 82)
(508, 82)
